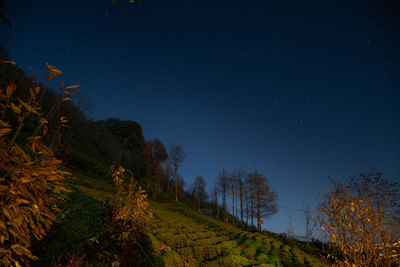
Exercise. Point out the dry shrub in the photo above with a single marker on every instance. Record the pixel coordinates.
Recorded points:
(357, 230)
(30, 176)
(131, 214)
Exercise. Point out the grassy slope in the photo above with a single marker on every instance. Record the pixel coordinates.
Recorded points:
(180, 236)
(183, 237)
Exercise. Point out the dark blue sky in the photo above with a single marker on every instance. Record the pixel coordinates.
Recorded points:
(299, 90)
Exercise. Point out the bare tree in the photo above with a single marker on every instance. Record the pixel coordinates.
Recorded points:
(156, 155)
(177, 157)
(309, 223)
(199, 191)
(216, 203)
(222, 186)
(232, 182)
(238, 191)
(290, 231)
(265, 198)
(250, 196)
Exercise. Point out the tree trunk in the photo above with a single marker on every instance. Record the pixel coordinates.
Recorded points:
(247, 212)
(233, 203)
(241, 204)
(224, 202)
(252, 210)
(198, 203)
(258, 214)
(216, 202)
(176, 183)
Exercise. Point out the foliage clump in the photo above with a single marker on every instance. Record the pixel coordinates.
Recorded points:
(359, 224)
(131, 213)
(31, 179)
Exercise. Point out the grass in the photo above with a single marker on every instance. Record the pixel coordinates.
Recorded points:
(180, 236)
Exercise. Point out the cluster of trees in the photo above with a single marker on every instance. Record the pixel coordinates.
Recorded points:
(240, 198)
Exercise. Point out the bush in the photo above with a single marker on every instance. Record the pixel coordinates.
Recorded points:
(131, 214)
(31, 177)
(85, 225)
(239, 260)
(172, 259)
(202, 253)
(262, 258)
(155, 244)
(185, 252)
(249, 253)
(175, 241)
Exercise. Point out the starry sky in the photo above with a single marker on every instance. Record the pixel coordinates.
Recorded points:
(299, 90)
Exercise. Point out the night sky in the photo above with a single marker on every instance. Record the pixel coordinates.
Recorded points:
(299, 90)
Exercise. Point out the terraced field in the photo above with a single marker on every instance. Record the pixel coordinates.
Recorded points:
(182, 237)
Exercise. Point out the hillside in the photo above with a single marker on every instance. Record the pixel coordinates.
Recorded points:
(184, 237)
(178, 235)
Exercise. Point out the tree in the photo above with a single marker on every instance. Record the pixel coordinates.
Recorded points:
(240, 176)
(199, 191)
(290, 230)
(265, 198)
(308, 223)
(250, 197)
(385, 195)
(358, 225)
(156, 155)
(177, 157)
(222, 186)
(232, 181)
(216, 203)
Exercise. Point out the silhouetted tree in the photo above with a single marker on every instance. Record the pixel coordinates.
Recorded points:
(265, 198)
(222, 187)
(384, 192)
(308, 223)
(177, 157)
(199, 193)
(156, 155)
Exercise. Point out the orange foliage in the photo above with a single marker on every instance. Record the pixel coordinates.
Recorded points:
(131, 213)
(30, 178)
(357, 230)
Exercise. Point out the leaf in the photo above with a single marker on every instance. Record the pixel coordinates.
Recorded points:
(37, 90)
(7, 213)
(72, 86)
(4, 124)
(16, 109)
(18, 249)
(50, 77)
(32, 93)
(67, 99)
(10, 89)
(4, 131)
(22, 201)
(43, 121)
(9, 62)
(55, 71)
(3, 187)
(70, 93)
(26, 180)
